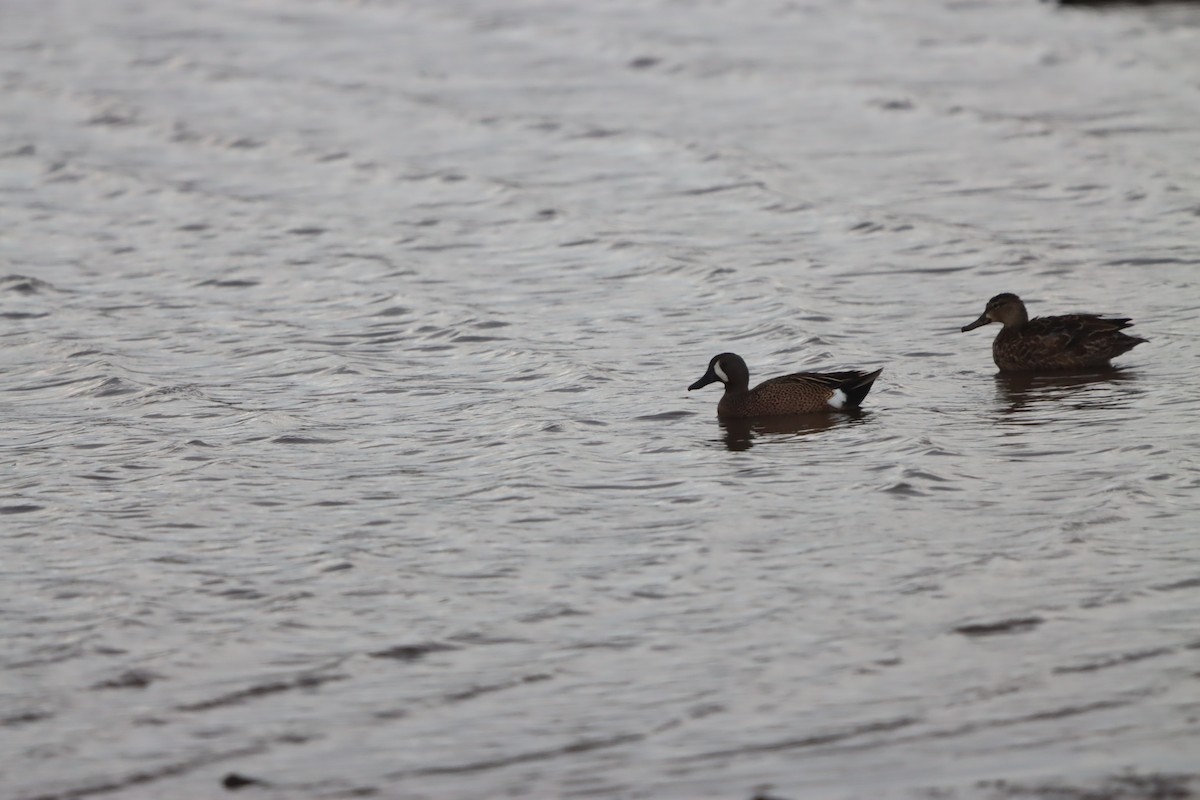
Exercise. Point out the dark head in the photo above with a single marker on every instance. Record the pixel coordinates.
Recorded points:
(727, 368)
(1007, 309)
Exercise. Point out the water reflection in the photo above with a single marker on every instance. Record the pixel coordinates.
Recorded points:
(1020, 391)
(740, 434)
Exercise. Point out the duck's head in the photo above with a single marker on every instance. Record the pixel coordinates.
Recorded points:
(728, 368)
(1006, 308)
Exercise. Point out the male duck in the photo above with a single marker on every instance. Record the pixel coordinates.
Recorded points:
(1072, 341)
(799, 393)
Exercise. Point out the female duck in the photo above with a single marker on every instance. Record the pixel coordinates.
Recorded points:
(1071, 341)
(799, 393)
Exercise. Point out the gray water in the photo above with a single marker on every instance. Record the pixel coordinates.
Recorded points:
(347, 446)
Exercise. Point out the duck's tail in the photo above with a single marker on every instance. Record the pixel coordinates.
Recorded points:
(857, 384)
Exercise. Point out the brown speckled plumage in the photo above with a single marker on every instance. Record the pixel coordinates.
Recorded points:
(1071, 341)
(799, 393)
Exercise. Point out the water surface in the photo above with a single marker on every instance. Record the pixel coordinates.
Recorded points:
(347, 441)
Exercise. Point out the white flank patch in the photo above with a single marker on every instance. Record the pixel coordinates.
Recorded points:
(725, 378)
(837, 399)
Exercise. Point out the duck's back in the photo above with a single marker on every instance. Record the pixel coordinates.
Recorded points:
(1070, 341)
(800, 393)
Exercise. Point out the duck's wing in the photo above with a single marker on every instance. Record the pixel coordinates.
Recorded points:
(1075, 331)
(835, 389)
(826, 380)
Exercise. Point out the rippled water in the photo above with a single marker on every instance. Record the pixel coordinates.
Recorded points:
(347, 442)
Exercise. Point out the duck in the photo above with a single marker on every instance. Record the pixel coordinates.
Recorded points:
(1067, 342)
(798, 393)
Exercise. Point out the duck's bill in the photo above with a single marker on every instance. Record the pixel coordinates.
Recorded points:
(983, 320)
(709, 377)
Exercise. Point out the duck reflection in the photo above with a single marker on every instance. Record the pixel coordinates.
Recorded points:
(1021, 390)
(740, 433)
